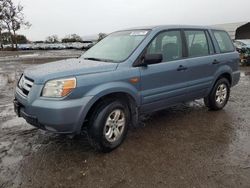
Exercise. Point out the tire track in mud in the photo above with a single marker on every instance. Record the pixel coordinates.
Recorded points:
(184, 146)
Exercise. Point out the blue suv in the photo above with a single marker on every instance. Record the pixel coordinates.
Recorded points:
(130, 72)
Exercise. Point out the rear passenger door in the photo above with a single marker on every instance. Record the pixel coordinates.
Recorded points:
(201, 63)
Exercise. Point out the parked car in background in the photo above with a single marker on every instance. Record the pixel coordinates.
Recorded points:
(245, 56)
(243, 47)
(242, 43)
(53, 46)
(130, 72)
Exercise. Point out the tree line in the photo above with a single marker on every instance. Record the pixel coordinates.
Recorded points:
(66, 39)
(11, 20)
(70, 38)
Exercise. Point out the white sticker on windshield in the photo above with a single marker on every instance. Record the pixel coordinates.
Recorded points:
(138, 33)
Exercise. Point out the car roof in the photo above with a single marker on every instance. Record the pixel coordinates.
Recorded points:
(246, 41)
(165, 27)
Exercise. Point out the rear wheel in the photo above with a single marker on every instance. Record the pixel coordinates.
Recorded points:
(108, 126)
(219, 95)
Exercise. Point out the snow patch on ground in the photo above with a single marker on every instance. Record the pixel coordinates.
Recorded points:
(11, 160)
(3, 80)
(15, 122)
(28, 55)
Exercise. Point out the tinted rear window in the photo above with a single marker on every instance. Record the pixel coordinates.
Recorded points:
(197, 43)
(224, 41)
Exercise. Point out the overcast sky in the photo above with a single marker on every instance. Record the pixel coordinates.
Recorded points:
(87, 17)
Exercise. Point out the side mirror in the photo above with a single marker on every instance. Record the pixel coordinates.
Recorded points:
(152, 59)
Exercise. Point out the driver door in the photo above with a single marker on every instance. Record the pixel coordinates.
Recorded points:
(164, 84)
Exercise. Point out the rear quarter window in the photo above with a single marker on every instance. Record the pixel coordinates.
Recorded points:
(224, 41)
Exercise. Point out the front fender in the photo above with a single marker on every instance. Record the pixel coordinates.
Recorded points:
(103, 90)
(113, 87)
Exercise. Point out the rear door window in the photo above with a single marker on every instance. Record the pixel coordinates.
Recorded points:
(224, 41)
(197, 43)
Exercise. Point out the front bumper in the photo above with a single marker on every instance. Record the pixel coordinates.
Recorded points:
(59, 116)
(19, 110)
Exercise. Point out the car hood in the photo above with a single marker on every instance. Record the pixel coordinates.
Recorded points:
(66, 68)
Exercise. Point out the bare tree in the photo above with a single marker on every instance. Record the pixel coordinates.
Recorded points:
(52, 39)
(72, 38)
(101, 36)
(13, 19)
(2, 26)
(19, 22)
(76, 37)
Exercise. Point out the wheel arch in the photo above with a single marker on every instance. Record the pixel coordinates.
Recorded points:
(226, 75)
(223, 72)
(122, 95)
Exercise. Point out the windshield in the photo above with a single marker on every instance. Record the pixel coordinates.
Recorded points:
(116, 47)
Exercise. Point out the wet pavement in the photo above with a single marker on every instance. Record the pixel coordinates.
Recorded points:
(183, 146)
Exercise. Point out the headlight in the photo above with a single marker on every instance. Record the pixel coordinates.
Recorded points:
(59, 88)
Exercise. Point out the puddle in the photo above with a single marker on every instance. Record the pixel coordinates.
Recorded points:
(3, 80)
(6, 110)
(11, 160)
(28, 55)
(247, 73)
(4, 144)
(7, 78)
(15, 122)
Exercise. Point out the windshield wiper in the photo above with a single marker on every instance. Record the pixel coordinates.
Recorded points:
(98, 59)
(93, 58)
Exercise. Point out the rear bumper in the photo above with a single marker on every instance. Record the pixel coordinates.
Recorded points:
(59, 116)
(235, 78)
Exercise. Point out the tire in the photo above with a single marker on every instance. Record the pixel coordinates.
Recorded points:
(106, 131)
(218, 97)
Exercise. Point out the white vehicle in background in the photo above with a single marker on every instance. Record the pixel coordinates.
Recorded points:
(52, 46)
(244, 43)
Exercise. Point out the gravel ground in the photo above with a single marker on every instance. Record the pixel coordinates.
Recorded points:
(183, 146)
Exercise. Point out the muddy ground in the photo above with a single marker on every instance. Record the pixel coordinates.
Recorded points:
(184, 146)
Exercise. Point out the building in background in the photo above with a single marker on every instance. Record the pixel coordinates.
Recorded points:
(238, 30)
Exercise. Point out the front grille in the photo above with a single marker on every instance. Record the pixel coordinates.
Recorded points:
(25, 84)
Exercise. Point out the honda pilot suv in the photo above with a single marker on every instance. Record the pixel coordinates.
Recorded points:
(130, 72)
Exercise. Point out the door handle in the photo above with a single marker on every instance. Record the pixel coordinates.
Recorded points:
(181, 68)
(216, 62)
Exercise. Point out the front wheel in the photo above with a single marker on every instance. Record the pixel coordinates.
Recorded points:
(108, 126)
(219, 95)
